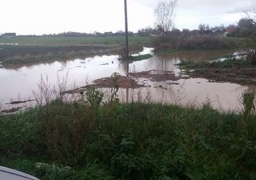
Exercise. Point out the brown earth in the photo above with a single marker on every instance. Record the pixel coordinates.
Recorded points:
(107, 82)
(239, 75)
(129, 81)
(156, 76)
(123, 82)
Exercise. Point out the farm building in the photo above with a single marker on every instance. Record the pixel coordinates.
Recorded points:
(8, 35)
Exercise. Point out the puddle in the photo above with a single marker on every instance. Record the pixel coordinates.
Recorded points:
(18, 85)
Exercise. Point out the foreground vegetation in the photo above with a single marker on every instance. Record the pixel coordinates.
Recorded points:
(90, 140)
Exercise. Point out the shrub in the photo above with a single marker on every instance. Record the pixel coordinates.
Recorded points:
(194, 42)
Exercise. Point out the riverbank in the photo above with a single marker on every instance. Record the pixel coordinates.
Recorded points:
(40, 49)
(234, 70)
(23, 55)
(128, 141)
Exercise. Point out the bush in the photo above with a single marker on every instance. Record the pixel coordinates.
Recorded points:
(194, 42)
(130, 141)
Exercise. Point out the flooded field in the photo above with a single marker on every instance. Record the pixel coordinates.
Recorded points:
(19, 85)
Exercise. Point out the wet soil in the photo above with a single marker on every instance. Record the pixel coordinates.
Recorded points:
(123, 82)
(12, 110)
(108, 82)
(239, 75)
(130, 81)
(156, 76)
(21, 104)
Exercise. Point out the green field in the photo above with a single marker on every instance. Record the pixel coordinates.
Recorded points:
(75, 41)
(36, 49)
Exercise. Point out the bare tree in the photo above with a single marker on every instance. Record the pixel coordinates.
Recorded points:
(164, 13)
(251, 22)
(251, 13)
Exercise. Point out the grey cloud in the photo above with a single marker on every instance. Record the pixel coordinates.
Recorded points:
(197, 5)
(241, 9)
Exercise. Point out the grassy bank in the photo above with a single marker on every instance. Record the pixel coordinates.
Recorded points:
(129, 141)
(24, 50)
(231, 69)
(75, 41)
(18, 55)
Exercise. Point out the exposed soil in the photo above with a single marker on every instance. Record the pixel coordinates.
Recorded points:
(156, 76)
(107, 82)
(129, 81)
(123, 82)
(20, 102)
(239, 75)
(12, 110)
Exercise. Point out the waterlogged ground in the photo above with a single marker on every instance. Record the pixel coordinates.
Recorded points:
(156, 79)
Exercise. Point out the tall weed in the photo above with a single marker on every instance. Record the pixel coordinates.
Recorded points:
(93, 140)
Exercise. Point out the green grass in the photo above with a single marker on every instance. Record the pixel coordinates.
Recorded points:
(44, 48)
(75, 41)
(142, 57)
(11, 55)
(129, 141)
(228, 62)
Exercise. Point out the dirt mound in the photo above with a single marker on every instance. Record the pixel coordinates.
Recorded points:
(156, 76)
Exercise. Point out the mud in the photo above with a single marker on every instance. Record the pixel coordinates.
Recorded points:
(20, 102)
(12, 110)
(130, 81)
(156, 76)
(242, 75)
(123, 82)
(107, 82)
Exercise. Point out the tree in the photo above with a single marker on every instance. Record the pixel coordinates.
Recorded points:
(164, 13)
(145, 31)
(247, 27)
(246, 22)
(186, 32)
(203, 28)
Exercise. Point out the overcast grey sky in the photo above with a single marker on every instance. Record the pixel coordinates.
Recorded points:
(56, 16)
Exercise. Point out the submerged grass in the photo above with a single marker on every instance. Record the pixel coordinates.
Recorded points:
(128, 141)
(228, 62)
(142, 57)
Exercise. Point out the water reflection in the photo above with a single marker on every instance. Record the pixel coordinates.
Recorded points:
(222, 96)
(200, 55)
(18, 83)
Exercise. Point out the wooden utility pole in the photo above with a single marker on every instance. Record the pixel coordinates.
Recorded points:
(126, 31)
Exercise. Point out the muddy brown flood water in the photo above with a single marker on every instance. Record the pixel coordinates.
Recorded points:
(18, 85)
